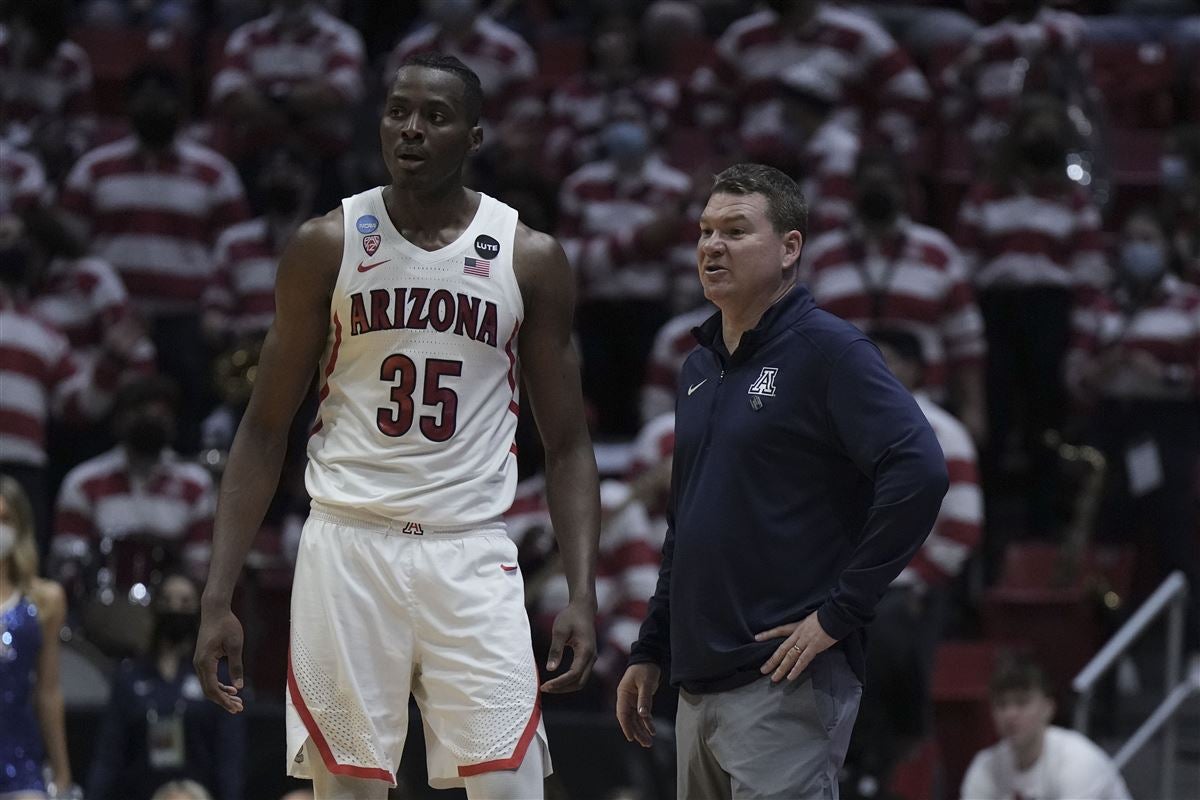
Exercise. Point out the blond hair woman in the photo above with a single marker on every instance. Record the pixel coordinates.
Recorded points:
(31, 613)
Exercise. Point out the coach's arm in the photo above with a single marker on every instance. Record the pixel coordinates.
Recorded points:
(550, 369)
(303, 291)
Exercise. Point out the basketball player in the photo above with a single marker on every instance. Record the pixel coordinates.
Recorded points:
(409, 299)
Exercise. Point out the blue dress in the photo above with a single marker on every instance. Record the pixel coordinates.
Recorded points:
(20, 735)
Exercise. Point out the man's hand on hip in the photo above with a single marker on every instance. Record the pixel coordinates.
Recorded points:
(635, 702)
(805, 640)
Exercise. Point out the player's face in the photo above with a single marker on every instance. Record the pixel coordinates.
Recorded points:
(425, 133)
(741, 257)
(1021, 715)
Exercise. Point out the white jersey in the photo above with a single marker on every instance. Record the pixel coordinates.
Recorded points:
(419, 399)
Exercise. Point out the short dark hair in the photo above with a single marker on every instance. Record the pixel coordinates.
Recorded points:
(904, 343)
(1017, 672)
(786, 207)
(153, 72)
(882, 158)
(145, 390)
(472, 90)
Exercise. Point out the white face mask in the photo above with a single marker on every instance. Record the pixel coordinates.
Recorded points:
(8, 539)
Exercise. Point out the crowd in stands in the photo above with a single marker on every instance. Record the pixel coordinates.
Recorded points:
(1005, 194)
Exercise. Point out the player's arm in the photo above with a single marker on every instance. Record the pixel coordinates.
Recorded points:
(550, 368)
(289, 358)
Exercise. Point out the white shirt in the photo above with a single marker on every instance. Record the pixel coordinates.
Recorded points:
(1070, 767)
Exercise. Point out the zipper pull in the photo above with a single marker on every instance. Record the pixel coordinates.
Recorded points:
(721, 377)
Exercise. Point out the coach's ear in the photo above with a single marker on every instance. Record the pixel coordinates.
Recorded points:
(789, 249)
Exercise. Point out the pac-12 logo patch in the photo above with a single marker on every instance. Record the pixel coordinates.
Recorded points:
(367, 223)
(764, 384)
(371, 243)
(486, 246)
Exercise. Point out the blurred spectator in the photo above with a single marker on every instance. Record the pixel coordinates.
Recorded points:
(816, 146)
(1031, 240)
(618, 73)
(40, 375)
(181, 790)
(23, 183)
(896, 710)
(153, 204)
(504, 62)
(291, 77)
(1033, 757)
(672, 344)
(513, 165)
(158, 726)
(619, 220)
(46, 99)
(1180, 175)
(884, 269)
(31, 702)
(133, 513)
(1032, 50)
(1133, 363)
(879, 88)
(240, 302)
(176, 15)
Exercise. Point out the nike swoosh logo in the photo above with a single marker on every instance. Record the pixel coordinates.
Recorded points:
(367, 267)
(508, 568)
(697, 386)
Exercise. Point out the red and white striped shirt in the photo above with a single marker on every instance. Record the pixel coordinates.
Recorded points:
(1166, 327)
(83, 298)
(958, 528)
(1021, 236)
(268, 55)
(22, 180)
(581, 107)
(156, 217)
(244, 289)
(54, 93)
(103, 499)
(600, 211)
(672, 344)
(875, 75)
(40, 377)
(988, 78)
(831, 156)
(504, 62)
(914, 280)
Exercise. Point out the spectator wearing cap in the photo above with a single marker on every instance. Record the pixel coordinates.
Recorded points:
(1133, 364)
(1032, 244)
(46, 101)
(153, 204)
(884, 269)
(622, 223)
(1032, 49)
(1033, 757)
(240, 301)
(896, 706)
(291, 77)
(881, 90)
(505, 63)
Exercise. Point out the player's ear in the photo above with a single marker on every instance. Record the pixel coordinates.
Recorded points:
(476, 139)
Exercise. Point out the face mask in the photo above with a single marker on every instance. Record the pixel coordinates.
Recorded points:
(1044, 152)
(877, 205)
(282, 199)
(1174, 171)
(174, 627)
(155, 126)
(8, 539)
(625, 141)
(147, 436)
(1143, 262)
(14, 266)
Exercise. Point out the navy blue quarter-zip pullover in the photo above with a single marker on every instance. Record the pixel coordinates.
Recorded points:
(805, 478)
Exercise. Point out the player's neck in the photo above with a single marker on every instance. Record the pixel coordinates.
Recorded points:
(429, 211)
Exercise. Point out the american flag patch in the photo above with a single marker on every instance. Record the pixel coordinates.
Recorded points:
(476, 266)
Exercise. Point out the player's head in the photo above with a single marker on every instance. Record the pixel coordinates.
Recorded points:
(430, 121)
(1022, 700)
(901, 350)
(18, 544)
(751, 232)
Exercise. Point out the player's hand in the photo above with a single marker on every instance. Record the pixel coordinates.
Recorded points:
(220, 636)
(574, 627)
(805, 640)
(635, 701)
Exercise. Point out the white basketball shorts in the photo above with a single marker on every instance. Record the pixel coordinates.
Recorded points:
(379, 613)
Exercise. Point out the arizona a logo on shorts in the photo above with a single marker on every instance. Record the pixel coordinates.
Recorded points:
(414, 529)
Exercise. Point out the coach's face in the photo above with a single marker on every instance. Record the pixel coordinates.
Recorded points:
(425, 132)
(742, 259)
